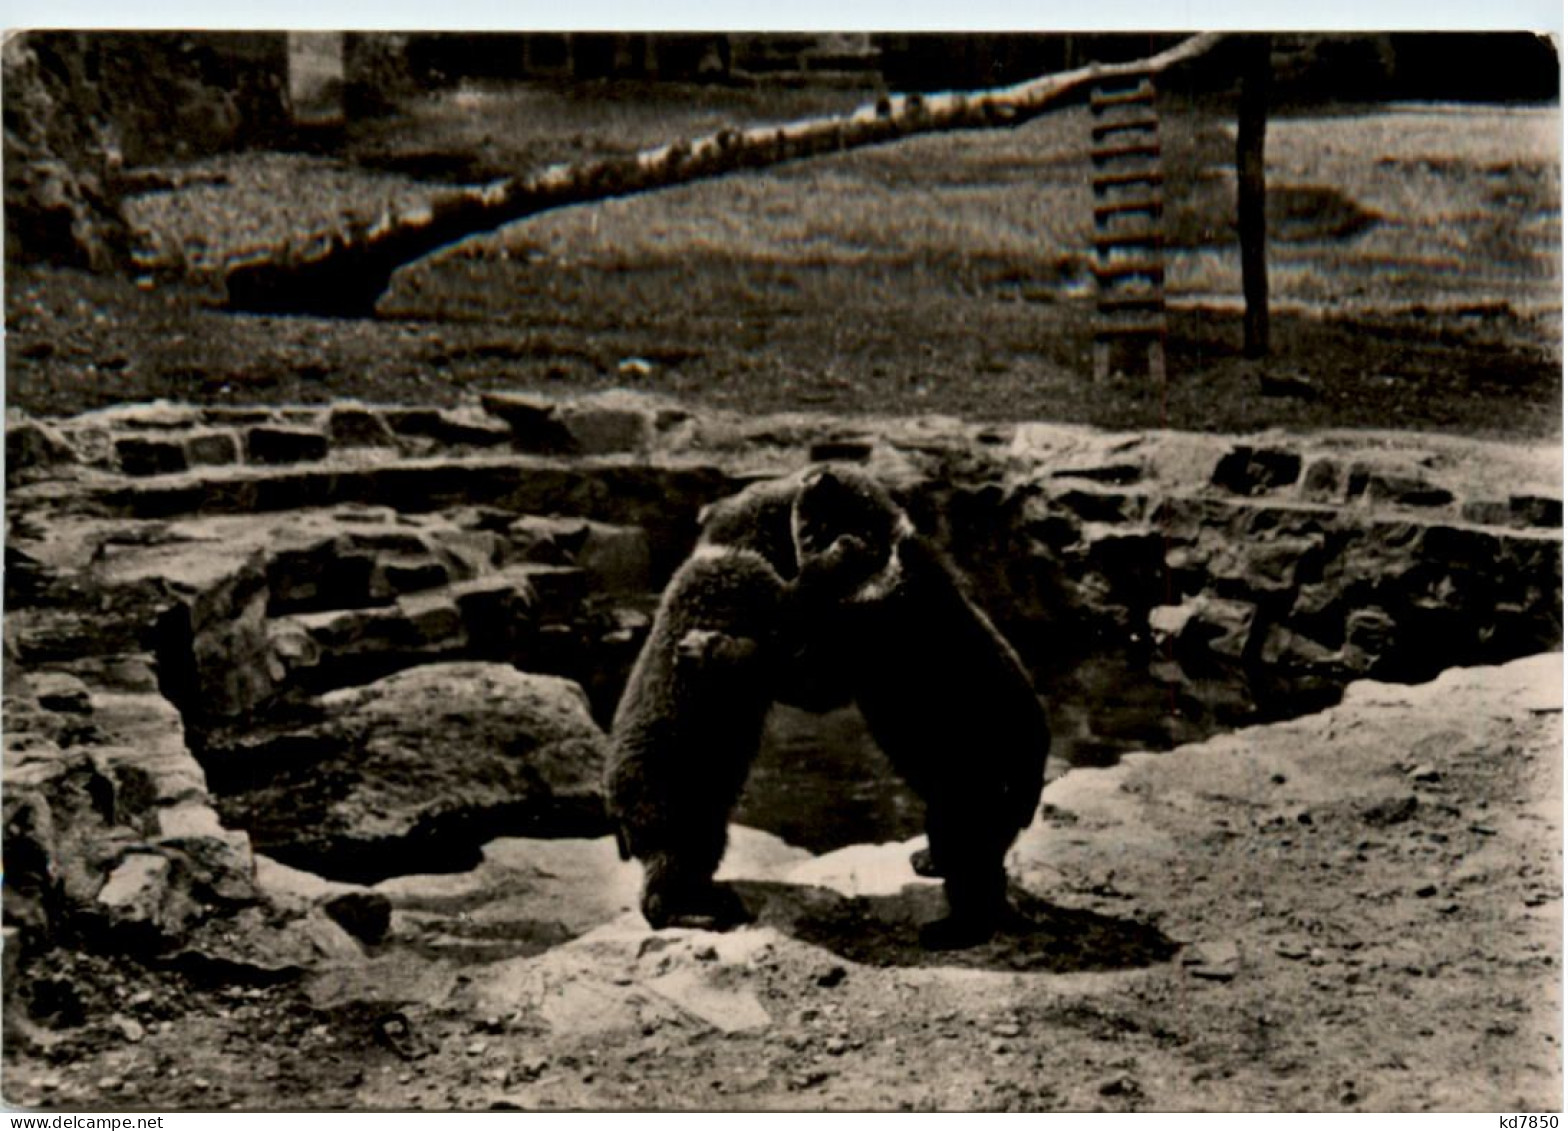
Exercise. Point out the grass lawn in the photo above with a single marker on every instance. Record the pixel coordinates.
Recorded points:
(1415, 271)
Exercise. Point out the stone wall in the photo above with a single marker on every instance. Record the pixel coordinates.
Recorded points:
(188, 588)
(1254, 579)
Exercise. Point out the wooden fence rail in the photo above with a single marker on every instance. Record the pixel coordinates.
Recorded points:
(344, 273)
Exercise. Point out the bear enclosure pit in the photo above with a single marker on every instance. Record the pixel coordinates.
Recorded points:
(365, 642)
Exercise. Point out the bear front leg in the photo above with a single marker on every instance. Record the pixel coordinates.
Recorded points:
(678, 892)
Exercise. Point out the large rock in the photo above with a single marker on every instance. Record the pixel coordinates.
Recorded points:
(414, 772)
(616, 558)
(32, 448)
(107, 825)
(464, 427)
(1206, 630)
(1246, 470)
(609, 423)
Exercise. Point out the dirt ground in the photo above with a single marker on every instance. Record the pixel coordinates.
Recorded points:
(1359, 910)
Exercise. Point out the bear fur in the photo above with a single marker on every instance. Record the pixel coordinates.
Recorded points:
(687, 728)
(943, 693)
(759, 519)
(756, 519)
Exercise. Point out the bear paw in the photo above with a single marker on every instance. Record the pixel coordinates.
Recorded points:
(714, 908)
(920, 860)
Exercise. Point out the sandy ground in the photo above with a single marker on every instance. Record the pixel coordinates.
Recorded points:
(1357, 910)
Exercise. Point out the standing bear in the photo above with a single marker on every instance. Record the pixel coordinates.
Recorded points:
(687, 728)
(816, 589)
(943, 693)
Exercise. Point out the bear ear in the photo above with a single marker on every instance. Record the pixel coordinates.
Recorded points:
(822, 477)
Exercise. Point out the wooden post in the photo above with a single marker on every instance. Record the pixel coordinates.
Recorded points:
(1251, 190)
(316, 77)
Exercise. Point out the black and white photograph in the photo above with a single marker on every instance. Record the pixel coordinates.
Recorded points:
(810, 571)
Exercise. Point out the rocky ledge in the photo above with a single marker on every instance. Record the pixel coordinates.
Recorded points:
(1359, 909)
(287, 689)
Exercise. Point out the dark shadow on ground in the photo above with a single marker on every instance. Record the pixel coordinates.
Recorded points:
(884, 931)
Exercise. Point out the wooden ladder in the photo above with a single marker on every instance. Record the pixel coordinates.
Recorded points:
(1129, 205)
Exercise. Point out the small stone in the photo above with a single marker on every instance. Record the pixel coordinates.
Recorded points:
(1485, 512)
(1426, 891)
(130, 1028)
(1404, 490)
(211, 449)
(705, 954)
(1214, 962)
(1425, 773)
(1120, 1086)
(140, 455)
(135, 890)
(1535, 510)
(354, 426)
(1248, 471)
(61, 693)
(1000, 1048)
(1322, 480)
(1008, 1029)
(636, 368)
(1391, 811)
(284, 445)
(531, 1068)
(366, 915)
(477, 1048)
(835, 1046)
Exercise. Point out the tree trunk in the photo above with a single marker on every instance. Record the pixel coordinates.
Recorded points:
(344, 273)
(1251, 194)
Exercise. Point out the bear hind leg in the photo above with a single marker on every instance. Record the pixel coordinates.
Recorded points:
(969, 857)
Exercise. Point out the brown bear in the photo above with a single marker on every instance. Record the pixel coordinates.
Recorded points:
(687, 728)
(943, 693)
